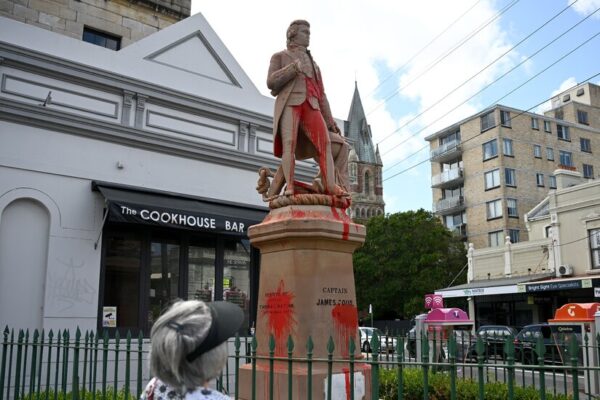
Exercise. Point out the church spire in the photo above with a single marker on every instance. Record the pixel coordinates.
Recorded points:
(358, 130)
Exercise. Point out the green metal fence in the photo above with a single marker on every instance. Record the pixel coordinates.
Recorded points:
(90, 366)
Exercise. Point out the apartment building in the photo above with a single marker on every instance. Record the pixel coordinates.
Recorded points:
(490, 168)
(523, 283)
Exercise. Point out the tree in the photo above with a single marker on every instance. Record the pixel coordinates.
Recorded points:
(405, 256)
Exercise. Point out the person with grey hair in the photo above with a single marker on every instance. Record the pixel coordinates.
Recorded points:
(189, 349)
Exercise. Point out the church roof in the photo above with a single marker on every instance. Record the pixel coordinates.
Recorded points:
(358, 130)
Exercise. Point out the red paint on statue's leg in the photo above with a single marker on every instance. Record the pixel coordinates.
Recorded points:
(345, 322)
(279, 310)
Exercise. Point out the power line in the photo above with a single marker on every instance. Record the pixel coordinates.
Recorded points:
(424, 47)
(496, 80)
(486, 67)
(441, 58)
(478, 92)
(521, 113)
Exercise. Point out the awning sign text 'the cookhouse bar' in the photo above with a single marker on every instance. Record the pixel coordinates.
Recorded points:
(175, 218)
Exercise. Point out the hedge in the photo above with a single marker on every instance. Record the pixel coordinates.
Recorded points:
(439, 388)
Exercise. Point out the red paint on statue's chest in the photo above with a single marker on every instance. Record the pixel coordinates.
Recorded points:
(345, 323)
(279, 310)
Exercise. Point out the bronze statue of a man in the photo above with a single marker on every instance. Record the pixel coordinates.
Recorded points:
(302, 120)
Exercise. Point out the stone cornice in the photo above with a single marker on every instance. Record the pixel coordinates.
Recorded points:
(45, 118)
(58, 68)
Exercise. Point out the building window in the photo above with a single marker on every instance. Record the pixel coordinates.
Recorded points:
(511, 208)
(586, 145)
(550, 153)
(101, 39)
(552, 182)
(566, 158)
(547, 126)
(537, 151)
(495, 238)
(494, 209)
(588, 171)
(487, 121)
(490, 149)
(539, 179)
(514, 235)
(505, 118)
(595, 247)
(367, 187)
(535, 124)
(510, 178)
(508, 147)
(558, 114)
(562, 132)
(492, 179)
(582, 117)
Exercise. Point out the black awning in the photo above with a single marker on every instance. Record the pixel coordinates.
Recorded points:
(139, 206)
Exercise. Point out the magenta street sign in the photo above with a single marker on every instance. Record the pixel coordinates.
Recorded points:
(434, 301)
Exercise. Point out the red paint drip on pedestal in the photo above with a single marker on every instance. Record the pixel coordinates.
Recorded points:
(345, 322)
(345, 219)
(346, 372)
(279, 311)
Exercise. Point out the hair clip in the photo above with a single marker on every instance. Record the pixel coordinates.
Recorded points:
(174, 325)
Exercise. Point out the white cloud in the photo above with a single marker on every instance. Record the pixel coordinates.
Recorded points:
(585, 7)
(566, 84)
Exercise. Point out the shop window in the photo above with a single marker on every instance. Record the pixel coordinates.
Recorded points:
(490, 149)
(492, 179)
(487, 121)
(201, 270)
(594, 235)
(122, 277)
(164, 277)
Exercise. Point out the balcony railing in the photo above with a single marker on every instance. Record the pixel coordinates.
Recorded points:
(447, 177)
(445, 150)
(459, 230)
(448, 204)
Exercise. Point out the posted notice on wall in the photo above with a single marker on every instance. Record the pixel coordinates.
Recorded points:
(109, 317)
(597, 292)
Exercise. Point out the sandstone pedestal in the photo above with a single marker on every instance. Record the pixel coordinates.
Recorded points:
(306, 290)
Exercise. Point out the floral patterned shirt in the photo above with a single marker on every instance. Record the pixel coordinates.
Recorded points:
(158, 390)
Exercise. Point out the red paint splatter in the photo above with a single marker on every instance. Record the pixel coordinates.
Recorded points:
(279, 311)
(346, 372)
(345, 322)
(298, 214)
(345, 219)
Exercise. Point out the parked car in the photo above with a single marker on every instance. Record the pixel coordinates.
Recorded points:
(494, 337)
(387, 343)
(556, 344)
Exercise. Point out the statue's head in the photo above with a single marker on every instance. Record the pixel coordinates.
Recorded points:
(294, 28)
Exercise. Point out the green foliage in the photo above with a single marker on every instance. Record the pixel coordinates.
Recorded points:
(405, 256)
(439, 388)
(82, 395)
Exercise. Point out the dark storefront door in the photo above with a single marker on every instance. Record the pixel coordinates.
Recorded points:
(145, 270)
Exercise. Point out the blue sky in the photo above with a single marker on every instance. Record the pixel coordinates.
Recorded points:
(395, 51)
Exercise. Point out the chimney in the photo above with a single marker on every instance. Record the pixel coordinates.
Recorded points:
(566, 178)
